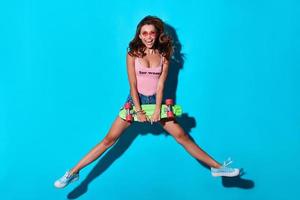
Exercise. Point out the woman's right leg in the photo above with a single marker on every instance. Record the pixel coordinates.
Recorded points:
(112, 136)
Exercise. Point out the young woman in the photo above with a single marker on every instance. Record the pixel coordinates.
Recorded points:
(147, 67)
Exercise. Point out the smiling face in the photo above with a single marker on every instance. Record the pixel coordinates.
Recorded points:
(148, 35)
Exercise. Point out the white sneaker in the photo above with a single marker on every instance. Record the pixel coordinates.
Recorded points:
(225, 170)
(66, 179)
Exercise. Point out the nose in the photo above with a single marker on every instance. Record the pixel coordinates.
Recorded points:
(149, 36)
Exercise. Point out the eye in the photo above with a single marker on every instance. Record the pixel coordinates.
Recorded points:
(144, 33)
(152, 33)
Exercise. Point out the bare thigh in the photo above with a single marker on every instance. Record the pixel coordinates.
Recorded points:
(174, 129)
(116, 130)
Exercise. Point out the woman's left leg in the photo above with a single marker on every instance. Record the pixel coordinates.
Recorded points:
(182, 138)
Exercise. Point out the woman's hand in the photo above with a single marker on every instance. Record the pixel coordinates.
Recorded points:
(155, 116)
(141, 116)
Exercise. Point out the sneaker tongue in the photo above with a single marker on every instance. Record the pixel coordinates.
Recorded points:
(67, 174)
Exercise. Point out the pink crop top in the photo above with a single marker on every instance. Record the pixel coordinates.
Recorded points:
(147, 77)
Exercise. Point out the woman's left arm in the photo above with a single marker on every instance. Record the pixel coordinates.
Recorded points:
(160, 90)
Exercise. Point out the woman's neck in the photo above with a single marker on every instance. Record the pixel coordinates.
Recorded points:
(150, 51)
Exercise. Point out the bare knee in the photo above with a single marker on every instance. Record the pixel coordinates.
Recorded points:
(108, 141)
(182, 138)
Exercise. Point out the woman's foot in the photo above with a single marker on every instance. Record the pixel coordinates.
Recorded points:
(225, 170)
(66, 179)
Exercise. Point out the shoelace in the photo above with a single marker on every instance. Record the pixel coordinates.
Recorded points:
(227, 162)
(67, 175)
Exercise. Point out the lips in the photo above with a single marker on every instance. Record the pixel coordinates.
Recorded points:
(149, 42)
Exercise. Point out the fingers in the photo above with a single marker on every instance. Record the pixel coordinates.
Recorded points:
(151, 119)
(148, 119)
(144, 119)
(154, 119)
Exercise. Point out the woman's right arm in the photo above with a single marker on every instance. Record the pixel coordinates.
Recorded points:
(133, 86)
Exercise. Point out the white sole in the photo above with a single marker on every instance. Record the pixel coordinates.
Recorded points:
(61, 187)
(225, 175)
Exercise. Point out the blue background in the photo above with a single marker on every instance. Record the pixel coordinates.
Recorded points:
(63, 79)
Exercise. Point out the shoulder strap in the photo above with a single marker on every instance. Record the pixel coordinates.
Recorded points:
(161, 60)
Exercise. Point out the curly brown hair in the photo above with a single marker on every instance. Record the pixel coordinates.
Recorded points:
(163, 42)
